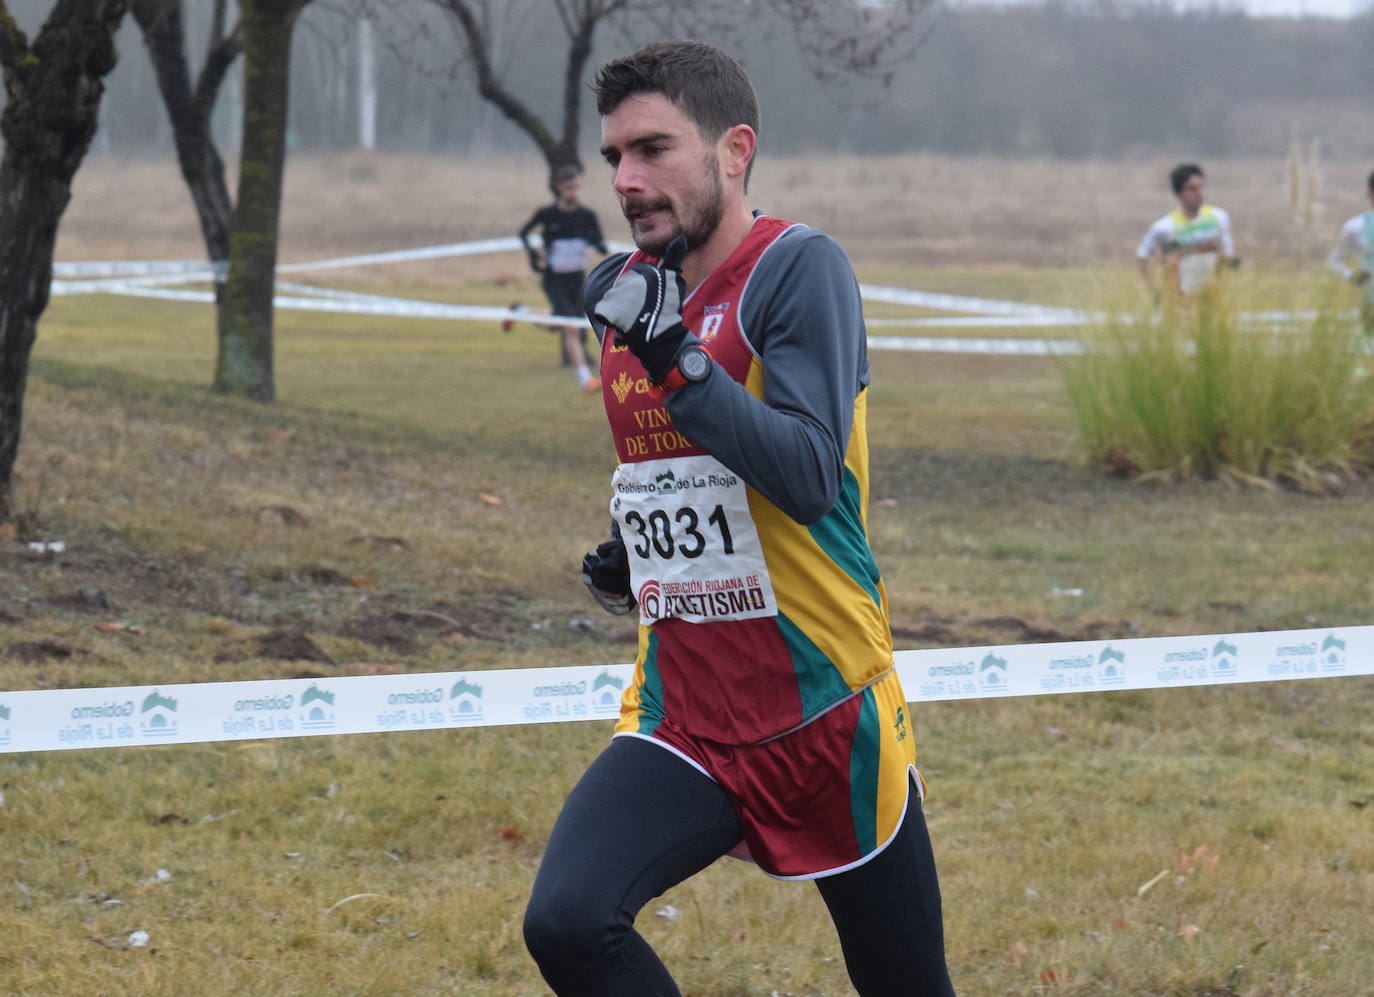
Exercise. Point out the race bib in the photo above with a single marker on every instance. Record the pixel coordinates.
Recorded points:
(568, 255)
(1195, 271)
(693, 547)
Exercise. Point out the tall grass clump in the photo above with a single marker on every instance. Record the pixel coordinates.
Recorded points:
(1196, 388)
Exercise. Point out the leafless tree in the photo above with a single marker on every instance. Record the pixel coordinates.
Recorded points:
(53, 87)
(838, 39)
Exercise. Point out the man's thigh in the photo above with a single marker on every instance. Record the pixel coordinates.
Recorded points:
(639, 821)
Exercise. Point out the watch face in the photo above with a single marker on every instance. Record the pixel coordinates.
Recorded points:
(694, 363)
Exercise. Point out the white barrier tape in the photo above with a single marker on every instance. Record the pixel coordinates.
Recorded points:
(375, 305)
(428, 253)
(129, 716)
(994, 347)
(144, 278)
(974, 322)
(959, 303)
(128, 268)
(121, 285)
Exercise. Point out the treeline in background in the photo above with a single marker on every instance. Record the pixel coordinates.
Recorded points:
(1101, 79)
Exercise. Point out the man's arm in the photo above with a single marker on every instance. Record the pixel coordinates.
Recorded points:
(804, 317)
(1146, 252)
(594, 236)
(536, 262)
(1346, 249)
(1228, 244)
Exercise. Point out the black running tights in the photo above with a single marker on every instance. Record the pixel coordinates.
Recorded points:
(641, 820)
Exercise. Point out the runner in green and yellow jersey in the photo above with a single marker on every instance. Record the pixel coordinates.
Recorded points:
(1189, 241)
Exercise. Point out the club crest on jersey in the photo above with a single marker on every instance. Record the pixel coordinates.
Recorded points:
(712, 317)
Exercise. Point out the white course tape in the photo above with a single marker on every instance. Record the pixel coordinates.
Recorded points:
(948, 344)
(960, 303)
(130, 716)
(129, 268)
(428, 253)
(373, 304)
(148, 278)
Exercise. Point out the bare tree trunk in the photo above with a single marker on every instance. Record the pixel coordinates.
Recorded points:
(244, 364)
(367, 86)
(189, 109)
(53, 90)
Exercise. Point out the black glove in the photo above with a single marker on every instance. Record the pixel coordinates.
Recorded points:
(1359, 278)
(536, 261)
(606, 573)
(1233, 262)
(645, 309)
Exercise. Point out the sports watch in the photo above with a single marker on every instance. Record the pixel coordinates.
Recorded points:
(693, 364)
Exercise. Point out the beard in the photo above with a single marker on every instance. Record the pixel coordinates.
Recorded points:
(695, 219)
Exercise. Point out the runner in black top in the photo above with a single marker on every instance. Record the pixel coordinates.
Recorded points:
(567, 229)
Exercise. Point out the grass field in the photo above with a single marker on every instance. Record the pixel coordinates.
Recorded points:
(419, 499)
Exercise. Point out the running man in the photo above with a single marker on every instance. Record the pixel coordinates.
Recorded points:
(765, 717)
(567, 229)
(1188, 241)
(1353, 257)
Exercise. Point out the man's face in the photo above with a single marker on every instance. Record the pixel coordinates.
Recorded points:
(1190, 194)
(667, 176)
(569, 191)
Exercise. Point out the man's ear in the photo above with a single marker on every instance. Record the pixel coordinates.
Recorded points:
(737, 148)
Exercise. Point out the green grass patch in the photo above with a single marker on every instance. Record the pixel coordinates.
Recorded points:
(1194, 388)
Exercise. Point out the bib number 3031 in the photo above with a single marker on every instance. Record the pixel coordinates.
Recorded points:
(693, 546)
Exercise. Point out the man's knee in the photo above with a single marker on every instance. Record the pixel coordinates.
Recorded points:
(561, 931)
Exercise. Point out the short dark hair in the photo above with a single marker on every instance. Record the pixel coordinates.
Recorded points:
(563, 171)
(1371, 180)
(710, 87)
(1182, 173)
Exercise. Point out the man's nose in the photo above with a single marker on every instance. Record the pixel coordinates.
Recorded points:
(629, 178)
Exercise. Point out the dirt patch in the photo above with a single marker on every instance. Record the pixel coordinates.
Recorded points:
(32, 652)
(319, 575)
(942, 631)
(386, 631)
(291, 644)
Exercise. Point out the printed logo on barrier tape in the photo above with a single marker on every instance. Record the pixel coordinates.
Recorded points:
(1333, 655)
(1111, 666)
(465, 702)
(1195, 664)
(606, 693)
(1225, 663)
(158, 717)
(4, 725)
(946, 681)
(317, 709)
(108, 721)
(1073, 671)
(992, 674)
(411, 708)
(570, 700)
(1309, 658)
(255, 716)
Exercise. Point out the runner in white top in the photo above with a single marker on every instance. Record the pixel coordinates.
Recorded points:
(1353, 257)
(1187, 241)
